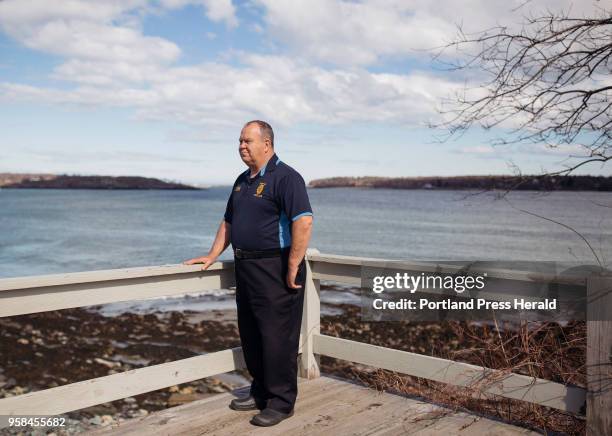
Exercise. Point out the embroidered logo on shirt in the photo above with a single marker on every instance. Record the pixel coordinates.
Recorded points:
(260, 189)
(237, 188)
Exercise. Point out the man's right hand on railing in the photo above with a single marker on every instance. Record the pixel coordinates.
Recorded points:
(205, 260)
(220, 243)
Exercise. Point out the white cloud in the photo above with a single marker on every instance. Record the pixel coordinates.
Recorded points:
(86, 40)
(216, 10)
(365, 32)
(103, 30)
(352, 33)
(273, 87)
(112, 63)
(221, 10)
(83, 30)
(107, 55)
(15, 13)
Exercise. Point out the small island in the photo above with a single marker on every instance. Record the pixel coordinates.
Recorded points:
(532, 183)
(63, 181)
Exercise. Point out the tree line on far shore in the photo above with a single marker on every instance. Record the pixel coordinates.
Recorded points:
(523, 182)
(63, 181)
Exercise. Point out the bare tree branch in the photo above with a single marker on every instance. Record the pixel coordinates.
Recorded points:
(548, 83)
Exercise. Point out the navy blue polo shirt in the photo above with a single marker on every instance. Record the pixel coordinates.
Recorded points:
(261, 209)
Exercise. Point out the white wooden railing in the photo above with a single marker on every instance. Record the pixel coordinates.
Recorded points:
(25, 295)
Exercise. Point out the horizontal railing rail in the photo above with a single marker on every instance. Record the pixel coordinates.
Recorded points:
(75, 396)
(19, 296)
(346, 269)
(597, 397)
(25, 295)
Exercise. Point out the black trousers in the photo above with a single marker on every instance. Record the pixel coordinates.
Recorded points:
(269, 319)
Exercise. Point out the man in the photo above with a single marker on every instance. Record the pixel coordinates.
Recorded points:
(268, 221)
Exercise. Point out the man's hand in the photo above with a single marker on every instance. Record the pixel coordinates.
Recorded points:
(221, 242)
(291, 275)
(206, 260)
(300, 235)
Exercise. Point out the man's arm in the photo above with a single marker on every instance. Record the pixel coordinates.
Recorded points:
(301, 229)
(222, 240)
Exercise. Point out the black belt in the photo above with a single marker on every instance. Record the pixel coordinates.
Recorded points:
(257, 254)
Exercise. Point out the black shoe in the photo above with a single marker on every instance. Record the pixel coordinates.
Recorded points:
(269, 417)
(246, 403)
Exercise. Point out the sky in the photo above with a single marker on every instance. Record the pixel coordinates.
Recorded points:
(162, 88)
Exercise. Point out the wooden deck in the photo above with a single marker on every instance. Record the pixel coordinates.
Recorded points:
(324, 406)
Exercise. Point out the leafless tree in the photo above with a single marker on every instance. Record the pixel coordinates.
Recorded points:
(549, 82)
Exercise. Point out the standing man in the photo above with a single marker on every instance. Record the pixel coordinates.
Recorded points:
(268, 221)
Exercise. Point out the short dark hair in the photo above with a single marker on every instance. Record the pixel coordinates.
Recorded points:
(265, 129)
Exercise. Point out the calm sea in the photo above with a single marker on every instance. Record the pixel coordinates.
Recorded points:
(55, 231)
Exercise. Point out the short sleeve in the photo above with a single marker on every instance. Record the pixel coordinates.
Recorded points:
(293, 197)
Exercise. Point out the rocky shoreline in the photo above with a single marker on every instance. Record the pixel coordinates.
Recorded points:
(523, 182)
(63, 181)
(49, 349)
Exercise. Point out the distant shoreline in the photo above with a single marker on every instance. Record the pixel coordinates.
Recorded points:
(63, 181)
(519, 183)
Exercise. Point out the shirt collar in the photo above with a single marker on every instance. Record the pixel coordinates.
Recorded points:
(270, 165)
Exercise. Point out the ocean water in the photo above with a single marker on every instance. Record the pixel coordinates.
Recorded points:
(56, 231)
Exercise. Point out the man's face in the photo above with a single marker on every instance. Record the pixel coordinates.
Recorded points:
(253, 147)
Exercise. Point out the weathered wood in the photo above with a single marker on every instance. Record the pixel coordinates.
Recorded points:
(343, 273)
(489, 381)
(88, 393)
(311, 324)
(106, 275)
(599, 356)
(73, 294)
(339, 262)
(324, 406)
(44, 293)
(501, 285)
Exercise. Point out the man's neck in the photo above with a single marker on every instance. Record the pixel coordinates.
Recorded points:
(256, 169)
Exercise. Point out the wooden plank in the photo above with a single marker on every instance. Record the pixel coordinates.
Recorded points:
(525, 286)
(481, 426)
(233, 423)
(106, 275)
(509, 385)
(441, 268)
(343, 273)
(310, 406)
(363, 411)
(355, 411)
(346, 260)
(599, 356)
(207, 416)
(324, 406)
(47, 298)
(179, 420)
(88, 393)
(464, 423)
(311, 324)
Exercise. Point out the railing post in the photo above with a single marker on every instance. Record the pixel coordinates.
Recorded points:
(311, 319)
(599, 355)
